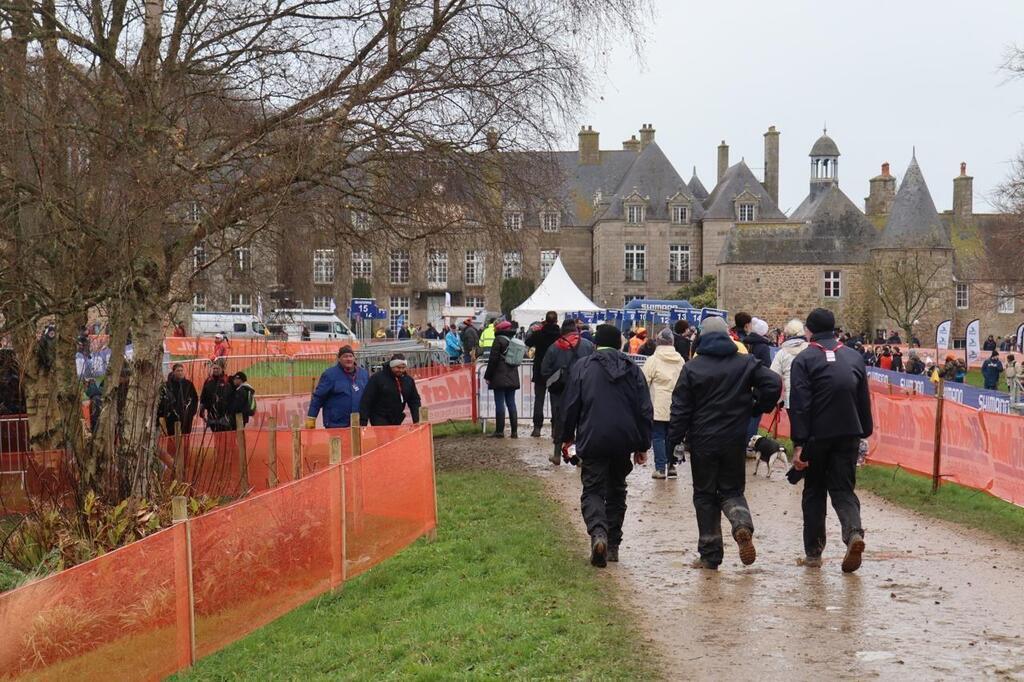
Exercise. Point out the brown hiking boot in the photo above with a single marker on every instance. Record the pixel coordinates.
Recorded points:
(854, 550)
(810, 562)
(745, 539)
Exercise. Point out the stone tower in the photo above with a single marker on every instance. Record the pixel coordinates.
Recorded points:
(881, 194)
(771, 163)
(824, 164)
(963, 194)
(646, 135)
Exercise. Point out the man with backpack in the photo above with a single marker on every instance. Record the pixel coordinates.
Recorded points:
(242, 401)
(502, 376)
(558, 361)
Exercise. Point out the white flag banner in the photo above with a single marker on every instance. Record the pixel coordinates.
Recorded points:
(974, 342)
(942, 335)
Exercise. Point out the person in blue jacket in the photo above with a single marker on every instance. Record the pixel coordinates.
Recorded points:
(338, 392)
(990, 371)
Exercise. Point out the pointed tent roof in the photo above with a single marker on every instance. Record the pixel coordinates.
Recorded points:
(696, 187)
(836, 231)
(737, 179)
(557, 292)
(653, 176)
(913, 221)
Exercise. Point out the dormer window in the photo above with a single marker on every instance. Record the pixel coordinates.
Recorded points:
(513, 221)
(550, 221)
(635, 214)
(680, 214)
(745, 212)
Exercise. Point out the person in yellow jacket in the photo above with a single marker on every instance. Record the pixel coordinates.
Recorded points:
(487, 338)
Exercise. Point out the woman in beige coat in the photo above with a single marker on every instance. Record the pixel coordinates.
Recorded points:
(790, 348)
(662, 371)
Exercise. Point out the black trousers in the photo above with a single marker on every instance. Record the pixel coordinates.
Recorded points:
(539, 391)
(603, 501)
(832, 474)
(719, 481)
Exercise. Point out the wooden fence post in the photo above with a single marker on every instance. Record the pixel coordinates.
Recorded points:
(185, 601)
(272, 452)
(357, 435)
(337, 518)
(243, 461)
(179, 456)
(424, 415)
(937, 458)
(296, 449)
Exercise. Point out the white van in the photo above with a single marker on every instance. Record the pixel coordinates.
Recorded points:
(319, 325)
(234, 325)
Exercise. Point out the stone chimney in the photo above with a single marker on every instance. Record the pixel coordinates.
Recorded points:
(590, 152)
(881, 194)
(963, 194)
(646, 135)
(631, 145)
(723, 159)
(771, 163)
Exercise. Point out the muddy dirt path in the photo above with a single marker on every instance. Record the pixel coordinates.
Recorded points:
(932, 600)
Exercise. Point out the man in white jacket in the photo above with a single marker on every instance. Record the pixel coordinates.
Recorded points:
(661, 372)
(790, 348)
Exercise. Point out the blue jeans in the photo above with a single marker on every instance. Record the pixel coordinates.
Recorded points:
(505, 397)
(664, 448)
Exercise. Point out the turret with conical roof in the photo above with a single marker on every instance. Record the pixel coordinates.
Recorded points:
(824, 164)
(913, 221)
(696, 187)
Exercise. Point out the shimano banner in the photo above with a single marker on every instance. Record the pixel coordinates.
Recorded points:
(974, 343)
(971, 396)
(942, 335)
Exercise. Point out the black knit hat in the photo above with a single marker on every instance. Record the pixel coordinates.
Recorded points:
(821, 320)
(608, 336)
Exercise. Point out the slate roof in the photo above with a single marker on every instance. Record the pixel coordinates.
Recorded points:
(824, 146)
(582, 181)
(696, 187)
(914, 222)
(653, 176)
(737, 179)
(835, 231)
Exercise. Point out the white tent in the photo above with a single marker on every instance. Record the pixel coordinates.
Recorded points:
(557, 292)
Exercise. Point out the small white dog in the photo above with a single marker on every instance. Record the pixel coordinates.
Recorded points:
(768, 451)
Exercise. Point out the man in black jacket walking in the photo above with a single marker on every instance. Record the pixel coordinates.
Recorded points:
(829, 412)
(388, 393)
(717, 394)
(540, 339)
(608, 414)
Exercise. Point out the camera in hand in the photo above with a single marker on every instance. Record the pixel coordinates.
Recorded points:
(794, 476)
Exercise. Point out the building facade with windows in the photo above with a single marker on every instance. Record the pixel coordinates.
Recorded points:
(626, 225)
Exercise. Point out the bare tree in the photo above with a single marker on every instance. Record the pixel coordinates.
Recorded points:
(908, 284)
(118, 117)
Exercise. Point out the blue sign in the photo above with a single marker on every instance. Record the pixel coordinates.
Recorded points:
(705, 313)
(965, 394)
(362, 307)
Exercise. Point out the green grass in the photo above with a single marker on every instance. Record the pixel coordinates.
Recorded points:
(953, 502)
(498, 594)
(455, 428)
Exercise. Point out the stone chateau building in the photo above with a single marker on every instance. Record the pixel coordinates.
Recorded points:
(627, 226)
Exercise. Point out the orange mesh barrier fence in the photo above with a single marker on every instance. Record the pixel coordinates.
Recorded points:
(259, 558)
(389, 493)
(1006, 451)
(904, 431)
(123, 614)
(153, 607)
(776, 423)
(965, 457)
(448, 394)
(202, 347)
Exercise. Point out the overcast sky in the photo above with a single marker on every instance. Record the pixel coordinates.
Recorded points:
(884, 76)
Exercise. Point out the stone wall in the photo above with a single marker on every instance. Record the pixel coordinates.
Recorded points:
(779, 293)
(983, 306)
(610, 239)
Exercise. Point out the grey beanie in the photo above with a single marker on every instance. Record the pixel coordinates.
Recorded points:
(713, 325)
(665, 338)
